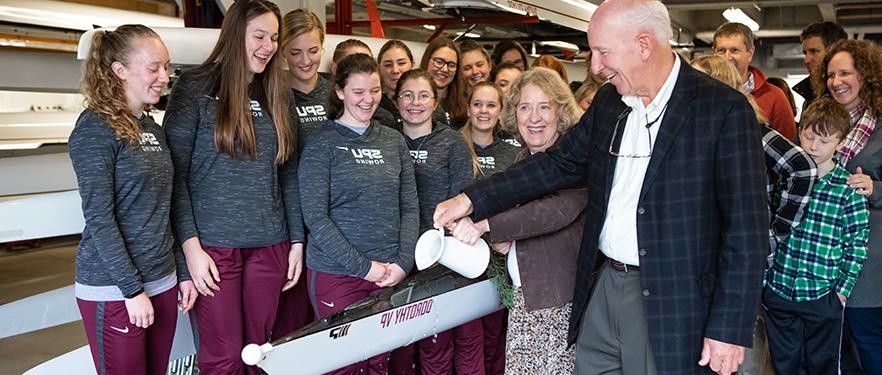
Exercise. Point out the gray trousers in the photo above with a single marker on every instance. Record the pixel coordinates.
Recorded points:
(614, 338)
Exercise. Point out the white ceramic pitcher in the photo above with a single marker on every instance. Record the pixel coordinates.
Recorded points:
(467, 260)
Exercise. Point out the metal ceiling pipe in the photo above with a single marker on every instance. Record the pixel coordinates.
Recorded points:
(701, 5)
(501, 20)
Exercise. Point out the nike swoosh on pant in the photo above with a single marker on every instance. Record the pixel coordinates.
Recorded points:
(327, 304)
(120, 330)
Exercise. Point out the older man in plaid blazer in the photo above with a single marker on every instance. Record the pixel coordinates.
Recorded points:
(675, 236)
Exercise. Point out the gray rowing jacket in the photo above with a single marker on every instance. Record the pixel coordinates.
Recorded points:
(442, 166)
(225, 201)
(496, 157)
(127, 244)
(311, 109)
(359, 199)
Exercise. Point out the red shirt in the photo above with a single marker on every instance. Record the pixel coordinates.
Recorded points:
(774, 104)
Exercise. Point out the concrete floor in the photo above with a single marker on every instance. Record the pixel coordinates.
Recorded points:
(23, 273)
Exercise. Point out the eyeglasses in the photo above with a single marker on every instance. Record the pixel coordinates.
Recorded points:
(624, 116)
(409, 97)
(439, 63)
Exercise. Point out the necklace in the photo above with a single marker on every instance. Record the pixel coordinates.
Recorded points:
(422, 142)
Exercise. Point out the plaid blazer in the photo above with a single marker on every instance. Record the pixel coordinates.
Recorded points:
(702, 216)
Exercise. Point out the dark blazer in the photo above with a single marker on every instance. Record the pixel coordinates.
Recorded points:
(866, 291)
(702, 218)
(804, 89)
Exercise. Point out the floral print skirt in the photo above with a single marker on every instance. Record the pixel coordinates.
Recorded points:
(536, 341)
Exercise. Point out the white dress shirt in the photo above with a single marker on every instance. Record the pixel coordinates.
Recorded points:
(512, 262)
(618, 238)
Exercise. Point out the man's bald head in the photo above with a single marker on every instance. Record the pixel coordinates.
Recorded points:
(629, 45)
(635, 16)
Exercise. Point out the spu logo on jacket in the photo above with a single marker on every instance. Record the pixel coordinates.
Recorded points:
(487, 162)
(512, 141)
(367, 156)
(256, 111)
(419, 156)
(312, 113)
(149, 143)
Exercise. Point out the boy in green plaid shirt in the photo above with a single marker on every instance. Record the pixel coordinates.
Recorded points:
(816, 267)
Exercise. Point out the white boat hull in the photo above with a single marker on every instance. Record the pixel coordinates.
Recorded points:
(37, 174)
(41, 216)
(426, 306)
(349, 343)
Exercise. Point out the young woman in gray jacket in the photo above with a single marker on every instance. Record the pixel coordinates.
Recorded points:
(128, 268)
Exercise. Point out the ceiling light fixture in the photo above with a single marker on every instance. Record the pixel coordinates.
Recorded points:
(737, 15)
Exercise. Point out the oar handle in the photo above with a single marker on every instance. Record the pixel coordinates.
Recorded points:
(253, 354)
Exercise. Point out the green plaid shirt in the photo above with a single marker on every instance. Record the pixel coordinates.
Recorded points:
(825, 252)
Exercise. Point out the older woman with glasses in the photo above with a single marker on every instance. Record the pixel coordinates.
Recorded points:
(441, 60)
(541, 237)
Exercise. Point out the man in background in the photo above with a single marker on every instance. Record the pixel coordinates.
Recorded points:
(816, 38)
(734, 41)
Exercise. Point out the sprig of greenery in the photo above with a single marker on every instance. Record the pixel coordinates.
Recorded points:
(498, 274)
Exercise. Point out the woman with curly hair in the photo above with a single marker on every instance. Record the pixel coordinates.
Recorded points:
(541, 238)
(128, 268)
(851, 73)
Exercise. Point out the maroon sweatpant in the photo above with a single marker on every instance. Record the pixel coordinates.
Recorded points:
(461, 347)
(118, 347)
(243, 310)
(495, 326)
(403, 360)
(295, 310)
(332, 293)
